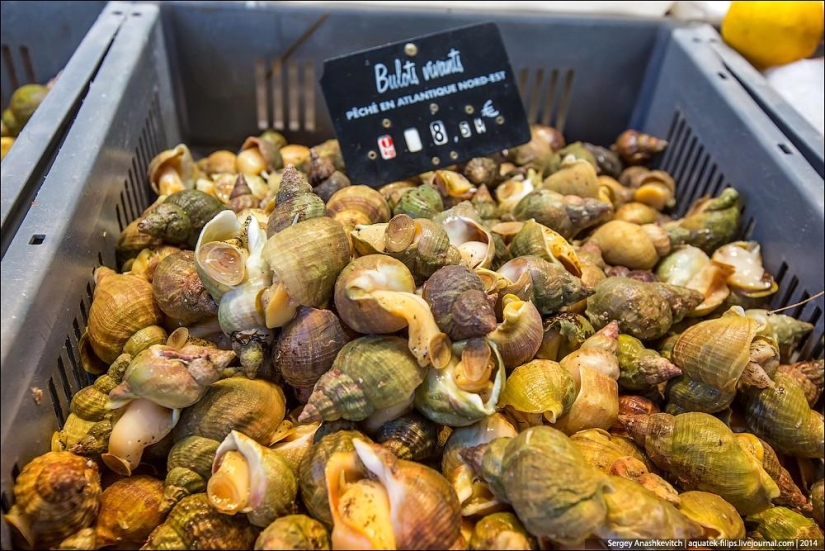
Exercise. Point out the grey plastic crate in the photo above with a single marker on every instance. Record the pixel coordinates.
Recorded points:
(40, 39)
(201, 75)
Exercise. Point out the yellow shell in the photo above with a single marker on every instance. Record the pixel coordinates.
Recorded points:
(129, 510)
(56, 494)
(626, 244)
(122, 305)
(716, 351)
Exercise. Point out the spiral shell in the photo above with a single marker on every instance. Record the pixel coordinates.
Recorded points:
(406, 504)
(421, 244)
(459, 303)
(252, 406)
(783, 524)
(566, 507)
(129, 510)
(188, 467)
(122, 305)
(295, 202)
(294, 532)
(538, 240)
(56, 494)
(369, 374)
(566, 214)
(311, 473)
(574, 177)
(501, 531)
(781, 416)
(442, 399)
(702, 453)
(306, 259)
(173, 170)
(520, 335)
(411, 437)
(194, 524)
(420, 202)
(633, 512)
(716, 352)
(636, 147)
(358, 205)
(540, 386)
(250, 478)
(468, 235)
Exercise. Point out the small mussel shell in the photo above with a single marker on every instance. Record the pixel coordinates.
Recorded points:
(718, 518)
(311, 477)
(129, 510)
(294, 532)
(459, 303)
(370, 374)
(634, 512)
(360, 277)
(179, 291)
(56, 494)
(307, 259)
(501, 531)
(253, 406)
(783, 524)
(122, 305)
(194, 524)
(307, 346)
(411, 437)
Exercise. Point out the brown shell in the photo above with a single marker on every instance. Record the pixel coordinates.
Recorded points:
(122, 305)
(129, 510)
(307, 346)
(355, 205)
(178, 289)
(56, 494)
(459, 303)
(194, 524)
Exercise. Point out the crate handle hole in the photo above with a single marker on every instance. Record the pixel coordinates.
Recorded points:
(785, 149)
(37, 239)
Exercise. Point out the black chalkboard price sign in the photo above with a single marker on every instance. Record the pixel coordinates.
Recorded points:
(424, 103)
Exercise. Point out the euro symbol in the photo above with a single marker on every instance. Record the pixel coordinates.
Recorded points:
(488, 110)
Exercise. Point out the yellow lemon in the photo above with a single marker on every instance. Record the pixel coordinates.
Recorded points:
(773, 33)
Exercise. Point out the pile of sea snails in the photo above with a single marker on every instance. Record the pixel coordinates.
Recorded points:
(525, 351)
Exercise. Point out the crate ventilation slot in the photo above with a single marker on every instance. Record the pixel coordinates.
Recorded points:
(285, 94)
(135, 196)
(696, 174)
(12, 72)
(546, 94)
(789, 293)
